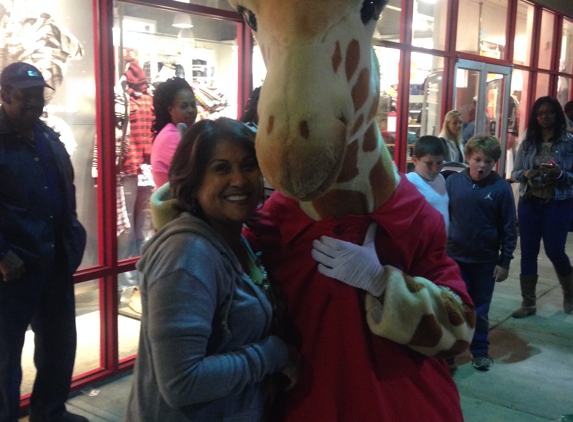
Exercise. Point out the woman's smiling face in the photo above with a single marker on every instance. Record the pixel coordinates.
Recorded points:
(232, 186)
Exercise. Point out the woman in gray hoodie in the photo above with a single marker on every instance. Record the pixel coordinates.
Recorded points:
(205, 352)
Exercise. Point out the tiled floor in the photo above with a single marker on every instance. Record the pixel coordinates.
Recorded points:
(531, 380)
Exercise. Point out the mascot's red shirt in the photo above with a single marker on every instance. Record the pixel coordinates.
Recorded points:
(348, 373)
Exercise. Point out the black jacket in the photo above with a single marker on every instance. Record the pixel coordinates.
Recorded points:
(25, 222)
(482, 219)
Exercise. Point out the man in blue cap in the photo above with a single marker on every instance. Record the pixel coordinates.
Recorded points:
(41, 246)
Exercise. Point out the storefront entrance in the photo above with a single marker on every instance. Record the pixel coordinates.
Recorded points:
(482, 95)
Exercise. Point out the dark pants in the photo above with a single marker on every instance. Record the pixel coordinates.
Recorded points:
(480, 282)
(48, 304)
(549, 221)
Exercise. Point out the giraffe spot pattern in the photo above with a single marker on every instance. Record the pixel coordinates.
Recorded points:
(338, 203)
(381, 181)
(457, 348)
(412, 285)
(470, 315)
(303, 129)
(270, 125)
(428, 332)
(360, 90)
(350, 165)
(453, 309)
(352, 58)
(370, 139)
(337, 57)
(357, 125)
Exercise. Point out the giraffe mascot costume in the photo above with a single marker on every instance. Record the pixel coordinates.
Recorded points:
(364, 358)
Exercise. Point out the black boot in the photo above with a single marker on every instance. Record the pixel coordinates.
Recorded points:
(528, 283)
(566, 282)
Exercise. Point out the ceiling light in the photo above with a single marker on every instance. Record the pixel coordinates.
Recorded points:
(186, 34)
(182, 20)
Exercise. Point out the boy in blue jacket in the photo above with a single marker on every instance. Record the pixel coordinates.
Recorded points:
(482, 234)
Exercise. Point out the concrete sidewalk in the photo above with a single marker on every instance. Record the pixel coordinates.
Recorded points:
(530, 381)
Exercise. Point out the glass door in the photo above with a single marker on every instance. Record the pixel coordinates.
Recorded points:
(482, 96)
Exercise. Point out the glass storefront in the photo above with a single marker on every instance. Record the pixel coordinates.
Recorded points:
(58, 38)
(162, 44)
(547, 42)
(482, 27)
(522, 44)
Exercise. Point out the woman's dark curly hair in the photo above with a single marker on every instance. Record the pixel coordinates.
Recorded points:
(194, 152)
(163, 98)
(533, 135)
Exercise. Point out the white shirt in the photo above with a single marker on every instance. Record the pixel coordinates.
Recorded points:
(434, 192)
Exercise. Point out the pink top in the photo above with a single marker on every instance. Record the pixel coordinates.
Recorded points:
(162, 151)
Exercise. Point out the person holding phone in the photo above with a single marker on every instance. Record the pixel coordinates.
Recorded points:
(544, 169)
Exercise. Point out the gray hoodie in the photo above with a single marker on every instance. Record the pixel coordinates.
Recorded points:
(204, 348)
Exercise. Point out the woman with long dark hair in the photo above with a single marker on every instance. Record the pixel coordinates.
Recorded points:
(544, 169)
(173, 103)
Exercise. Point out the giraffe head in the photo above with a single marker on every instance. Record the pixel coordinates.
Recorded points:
(320, 93)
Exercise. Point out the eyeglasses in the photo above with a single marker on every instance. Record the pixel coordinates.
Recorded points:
(546, 114)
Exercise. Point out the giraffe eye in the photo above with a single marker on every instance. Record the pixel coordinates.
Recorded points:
(249, 18)
(371, 10)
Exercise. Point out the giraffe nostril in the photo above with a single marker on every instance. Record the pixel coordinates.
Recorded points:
(303, 129)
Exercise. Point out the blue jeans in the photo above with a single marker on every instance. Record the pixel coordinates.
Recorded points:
(480, 282)
(549, 221)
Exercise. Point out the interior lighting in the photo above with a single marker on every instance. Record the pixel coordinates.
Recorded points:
(186, 34)
(182, 20)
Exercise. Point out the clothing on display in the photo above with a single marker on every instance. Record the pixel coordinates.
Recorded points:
(209, 97)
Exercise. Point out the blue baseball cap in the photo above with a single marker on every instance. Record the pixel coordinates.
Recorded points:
(22, 75)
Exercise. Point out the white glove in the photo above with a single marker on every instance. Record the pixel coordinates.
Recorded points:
(355, 265)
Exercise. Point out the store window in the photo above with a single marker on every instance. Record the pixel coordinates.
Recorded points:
(563, 90)
(546, 42)
(388, 26)
(566, 58)
(218, 4)
(542, 88)
(519, 92)
(386, 115)
(152, 46)
(522, 44)
(259, 67)
(88, 335)
(61, 47)
(482, 27)
(429, 24)
(425, 100)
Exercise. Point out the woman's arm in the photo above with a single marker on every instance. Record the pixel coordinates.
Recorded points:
(517, 172)
(180, 313)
